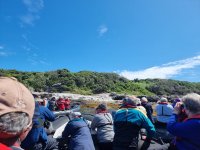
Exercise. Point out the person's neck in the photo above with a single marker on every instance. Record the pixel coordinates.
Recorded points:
(129, 106)
(165, 103)
(11, 142)
(190, 115)
(102, 111)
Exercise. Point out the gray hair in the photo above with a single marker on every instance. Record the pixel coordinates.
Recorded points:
(192, 102)
(144, 99)
(14, 122)
(131, 100)
(163, 99)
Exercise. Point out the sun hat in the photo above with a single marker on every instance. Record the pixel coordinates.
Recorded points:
(15, 97)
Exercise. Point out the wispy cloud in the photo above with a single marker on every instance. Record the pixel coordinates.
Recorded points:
(2, 53)
(164, 71)
(29, 19)
(32, 52)
(27, 49)
(102, 30)
(36, 61)
(1, 47)
(34, 58)
(29, 44)
(33, 8)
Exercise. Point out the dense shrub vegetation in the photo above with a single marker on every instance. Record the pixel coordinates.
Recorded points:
(86, 82)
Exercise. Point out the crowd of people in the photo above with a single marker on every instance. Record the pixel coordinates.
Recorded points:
(131, 127)
(53, 103)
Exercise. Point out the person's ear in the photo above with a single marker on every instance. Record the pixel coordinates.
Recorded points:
(24, 133)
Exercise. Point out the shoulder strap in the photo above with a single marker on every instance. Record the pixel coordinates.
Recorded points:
(86, 122)
(126, 115)
(108, 119)
(163, 114)
(104, 125)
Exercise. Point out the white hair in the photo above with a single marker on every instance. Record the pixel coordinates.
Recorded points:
(75, 115)
(163, 99)
(14, 122)
(144, 99)
(192, 102)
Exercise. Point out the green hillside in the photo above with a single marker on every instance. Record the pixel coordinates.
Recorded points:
(86, 82)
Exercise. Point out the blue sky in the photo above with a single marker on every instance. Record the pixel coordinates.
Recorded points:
(134, 38)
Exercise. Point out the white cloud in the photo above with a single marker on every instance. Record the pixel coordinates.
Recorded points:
(33, 9)
(43, 62)
(35, 54)
(24, 37)
(29, 19)
(164, 71)
(29, 44)
(33, 6)
(1, 47)
(37, 61)
(32, 61)
(3, 53)
(102, 30)
(27, 49)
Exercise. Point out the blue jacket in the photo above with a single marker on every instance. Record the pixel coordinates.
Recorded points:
(188, 133)
(80, 135)
(38, 133)
(127, 124)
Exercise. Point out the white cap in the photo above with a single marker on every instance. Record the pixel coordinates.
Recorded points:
(74, 114)
(77, 113)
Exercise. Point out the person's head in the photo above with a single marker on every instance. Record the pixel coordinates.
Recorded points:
(144, 100)
(163, 100)
(101, 107)
(76, 115)
(131, 101)
(53, 99)
(16, 110)
(191, 103)
(177, 100)
(40, 101)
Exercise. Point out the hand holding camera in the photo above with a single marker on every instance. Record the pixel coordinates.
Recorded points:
(178, 108)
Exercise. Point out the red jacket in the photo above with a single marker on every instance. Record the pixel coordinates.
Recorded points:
(4, 147)
(61, 104)
(67, 103)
